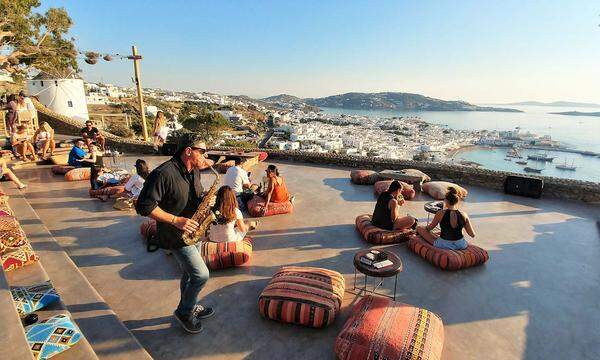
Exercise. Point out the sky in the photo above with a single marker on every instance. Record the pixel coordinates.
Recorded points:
(479, 51)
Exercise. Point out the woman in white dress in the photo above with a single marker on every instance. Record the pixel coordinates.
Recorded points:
(230, 224)
(161, 130)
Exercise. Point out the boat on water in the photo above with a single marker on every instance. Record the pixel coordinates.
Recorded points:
(565, 166)
(514, 153)
(532, 170)
(507, 159)
(521, 162)
(541, 157)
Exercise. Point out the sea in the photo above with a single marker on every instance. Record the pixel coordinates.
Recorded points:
(575, 132)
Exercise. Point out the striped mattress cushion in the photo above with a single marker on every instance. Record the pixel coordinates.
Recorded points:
(257, 203)
(448, 259)
(380, 328)
(363, 177)
(226, 254)
(374, 235)
(306, 296)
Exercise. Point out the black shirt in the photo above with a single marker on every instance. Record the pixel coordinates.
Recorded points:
(85, 132)
(175, 190)
(447, 231)
(382, 215)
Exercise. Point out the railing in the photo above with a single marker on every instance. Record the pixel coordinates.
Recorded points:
(102, 120)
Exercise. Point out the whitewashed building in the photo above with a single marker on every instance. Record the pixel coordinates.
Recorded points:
(63, 96)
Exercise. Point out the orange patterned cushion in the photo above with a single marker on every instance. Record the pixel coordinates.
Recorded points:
(379, 328)
(448, 259)
(11, 233)
(14, 258)
(61, 169)
(374, 235)
(306, 296)
(257, 203)
(363, 177)
(226, 254)
(78, 174)
(408, 191)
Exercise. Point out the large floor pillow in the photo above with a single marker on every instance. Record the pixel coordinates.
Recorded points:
(448, 259)
(379, 328)
(374, 235)
(60, 159)
(52, 336)
(408, 191)
(226, 254)
(412, 176)
(61, 169)
(306, 296)
(11, 233)
(262, 156)
(14, 258)
(34, 297)
(107, 191)
(78, 174)
(438, 189)
(363, 177)
(257, 203)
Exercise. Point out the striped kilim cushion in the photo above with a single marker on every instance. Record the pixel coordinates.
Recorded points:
(257, 203)
(380, 328)
(303, 295)
(61, 169)
(374, 235)
(78, 174)
(14, 258)
(408, 191)
(32, 298)
(108, 191)
(3, 199)
(226, 254)
(52, 336)
(364, 177)
(11, 233)
(448, 259)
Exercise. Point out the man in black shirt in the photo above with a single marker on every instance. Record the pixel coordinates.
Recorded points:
(90, 134)
(171, 195)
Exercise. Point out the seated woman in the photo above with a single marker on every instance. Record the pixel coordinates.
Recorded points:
(22, 143)
(5, 171)
(230, 224)
(277, 191)
(136, 182)
(44, 140)
(452, 222)
(387, 210)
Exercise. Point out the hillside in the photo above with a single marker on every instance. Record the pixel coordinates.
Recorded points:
(397, 101)
(284, 98)
(577, 113)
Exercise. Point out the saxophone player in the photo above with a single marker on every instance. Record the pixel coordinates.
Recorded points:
(171, 195)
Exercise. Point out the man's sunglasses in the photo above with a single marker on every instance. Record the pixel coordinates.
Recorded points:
(202, 150)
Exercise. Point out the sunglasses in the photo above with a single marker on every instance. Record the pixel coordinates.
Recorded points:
(202, 150)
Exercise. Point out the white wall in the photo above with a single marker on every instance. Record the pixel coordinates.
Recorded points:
(64, 96)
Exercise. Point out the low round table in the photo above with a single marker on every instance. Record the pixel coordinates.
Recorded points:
(385, 272)
(432, 207)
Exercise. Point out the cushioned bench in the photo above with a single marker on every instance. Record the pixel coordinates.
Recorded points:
(363, 177)
(374, 235)
(257, 203)
(408, 191)
(379, 328)
(448, 259)
(306, 296)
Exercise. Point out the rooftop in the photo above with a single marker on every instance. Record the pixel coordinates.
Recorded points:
(536, 298)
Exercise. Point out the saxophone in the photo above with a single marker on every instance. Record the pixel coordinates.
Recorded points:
(203, 215)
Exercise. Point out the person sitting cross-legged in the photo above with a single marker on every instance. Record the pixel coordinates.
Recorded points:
(387, 210)
(91, 134)
(452, 222)
(230, 225)
(237, 179)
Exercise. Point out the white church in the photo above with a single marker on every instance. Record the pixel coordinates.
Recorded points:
(65, 96)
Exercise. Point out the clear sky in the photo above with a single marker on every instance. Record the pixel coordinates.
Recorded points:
(479, 51)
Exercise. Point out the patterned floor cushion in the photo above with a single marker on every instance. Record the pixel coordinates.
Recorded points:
(379, 328)
(412, 176)
(408, 191)
(78, 174)
(61, 169)
(6, 210)
(14, 258)
(52, 336)
(438, 189)
(107, 191)
(303, 295)
(257, 203)
(11, 233)
(448, 259)
(262, 156)
(374, 235)
(226, 254)
(35, 297)
(61, 159)
(363, 177)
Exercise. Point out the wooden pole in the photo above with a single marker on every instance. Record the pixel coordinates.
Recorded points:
(136, 67)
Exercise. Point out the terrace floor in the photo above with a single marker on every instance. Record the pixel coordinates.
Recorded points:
(536, 298)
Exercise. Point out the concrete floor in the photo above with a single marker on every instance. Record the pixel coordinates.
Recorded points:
(537, 297)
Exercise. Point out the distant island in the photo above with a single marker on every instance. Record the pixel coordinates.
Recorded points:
(383, 101)
(577, 113)
(554, 103)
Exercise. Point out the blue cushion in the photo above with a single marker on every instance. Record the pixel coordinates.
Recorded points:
(32, 298)
(52, 336)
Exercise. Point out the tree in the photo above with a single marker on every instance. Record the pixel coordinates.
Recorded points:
(30, 40)
(207, 124)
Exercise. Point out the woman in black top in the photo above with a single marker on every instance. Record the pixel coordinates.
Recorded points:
(452, 222)
(387, 210)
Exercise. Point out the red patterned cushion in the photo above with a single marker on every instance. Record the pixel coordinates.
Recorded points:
(11, 233)
(78, 174)
(448, 259)
(14, 258)
(226, 254)
(262, 156)
(257, 203)
(363, 177)
(379, 328)
(408, 191)
(374, 235)
(303, 295)
(61, 169)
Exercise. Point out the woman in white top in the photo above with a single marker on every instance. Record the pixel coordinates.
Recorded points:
(230, 224)
(44, 139)
(161, 130)
(136, 182)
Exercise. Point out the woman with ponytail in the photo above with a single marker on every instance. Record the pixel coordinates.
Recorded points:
(452, 222)
(387, 210)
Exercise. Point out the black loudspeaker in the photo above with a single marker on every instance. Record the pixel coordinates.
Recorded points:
(168, 149)
(524, 186)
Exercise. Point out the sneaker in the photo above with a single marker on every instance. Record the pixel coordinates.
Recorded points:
(201, 312)
(292, 199)
(191, 324)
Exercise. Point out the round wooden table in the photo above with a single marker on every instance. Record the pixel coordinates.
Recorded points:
(433, 207)
(382, 273)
